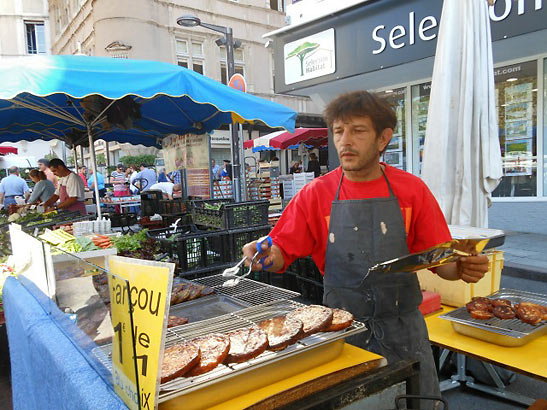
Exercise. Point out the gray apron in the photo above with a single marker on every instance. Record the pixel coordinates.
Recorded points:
(362, 233)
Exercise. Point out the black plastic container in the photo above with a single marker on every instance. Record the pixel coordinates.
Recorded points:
(230, 215)
(239, 237)
(150, 202)
(174, 206)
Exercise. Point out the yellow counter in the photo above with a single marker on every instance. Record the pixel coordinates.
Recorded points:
(254, 386)
(530, 359)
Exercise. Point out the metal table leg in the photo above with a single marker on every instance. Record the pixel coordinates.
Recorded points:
(461, 378)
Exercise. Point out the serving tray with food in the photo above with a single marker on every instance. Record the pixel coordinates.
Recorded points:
(507, 317)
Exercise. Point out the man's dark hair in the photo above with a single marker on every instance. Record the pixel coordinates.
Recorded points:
(56, 163)
(44, 161)
(143, 165)
(119, 166)
(361, 104)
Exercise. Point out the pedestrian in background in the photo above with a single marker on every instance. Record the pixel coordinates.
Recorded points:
(43, 165)
(147, 175)
(313, 165)
(82, 174)
(100, 183)
(162, 177)
(11, 186)
(43, 188)
(215, 171)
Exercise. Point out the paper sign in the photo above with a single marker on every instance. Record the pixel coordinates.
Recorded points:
(139, 335)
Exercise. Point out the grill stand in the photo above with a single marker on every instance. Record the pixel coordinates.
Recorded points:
(462, 378)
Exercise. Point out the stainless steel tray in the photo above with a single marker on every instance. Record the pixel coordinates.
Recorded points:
(226, 323)
(207, 307)
(501, 332)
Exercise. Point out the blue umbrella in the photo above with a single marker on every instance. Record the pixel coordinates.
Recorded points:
(78, 99)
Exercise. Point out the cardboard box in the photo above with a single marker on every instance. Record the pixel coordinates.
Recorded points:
(458, 293)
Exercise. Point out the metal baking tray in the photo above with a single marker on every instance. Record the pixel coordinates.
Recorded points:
(501, 332)
(207, 307)
(240, 319)
(226, 323)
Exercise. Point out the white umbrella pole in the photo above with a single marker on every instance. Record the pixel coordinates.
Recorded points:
(94, 168)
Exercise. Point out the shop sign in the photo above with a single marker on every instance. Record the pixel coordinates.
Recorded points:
(220, 139)
(310, 57)
(191, 152)
(386, 33)
(139, 300)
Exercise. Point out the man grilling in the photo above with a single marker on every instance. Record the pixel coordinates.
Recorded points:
(363, 213)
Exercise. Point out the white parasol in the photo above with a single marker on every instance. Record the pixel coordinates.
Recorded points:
(462, 159)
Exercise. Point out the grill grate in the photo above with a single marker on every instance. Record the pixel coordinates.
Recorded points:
(512, 327)
(249, 291)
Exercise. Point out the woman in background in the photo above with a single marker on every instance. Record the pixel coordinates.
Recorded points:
(43, 188)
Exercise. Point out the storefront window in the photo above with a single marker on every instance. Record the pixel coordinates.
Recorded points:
(516, 101)
(395, 154)
(420, 105)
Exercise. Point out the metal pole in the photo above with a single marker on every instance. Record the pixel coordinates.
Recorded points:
(94, 168)
(75, 157)
(236, 161)
(244, 196)
(82, 154)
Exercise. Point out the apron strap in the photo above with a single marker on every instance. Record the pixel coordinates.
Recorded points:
(391, 194)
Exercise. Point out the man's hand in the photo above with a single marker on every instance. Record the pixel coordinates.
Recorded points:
(471, 269)
(271, 256)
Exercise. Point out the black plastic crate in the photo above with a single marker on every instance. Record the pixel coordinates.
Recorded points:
(168, 235)
(239, 237)
(151, 195)
(200, 252)
(185, 219)
(225, 214)
(174, 206)
(149, 207)
(122, 220)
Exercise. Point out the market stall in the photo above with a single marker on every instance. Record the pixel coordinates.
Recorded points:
(75, 308)
(80, 99)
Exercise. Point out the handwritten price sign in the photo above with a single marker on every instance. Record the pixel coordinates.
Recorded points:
(139, 298)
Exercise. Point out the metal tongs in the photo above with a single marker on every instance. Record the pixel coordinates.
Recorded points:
(233, 271)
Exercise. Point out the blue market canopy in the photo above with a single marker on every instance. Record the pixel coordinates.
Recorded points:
(135, 101)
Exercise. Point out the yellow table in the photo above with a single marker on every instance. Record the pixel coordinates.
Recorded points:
(529, 359)
(268, 386)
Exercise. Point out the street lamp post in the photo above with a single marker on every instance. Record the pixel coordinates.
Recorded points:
(193, 21)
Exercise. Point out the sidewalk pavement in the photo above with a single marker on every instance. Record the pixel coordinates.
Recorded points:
(525, 255)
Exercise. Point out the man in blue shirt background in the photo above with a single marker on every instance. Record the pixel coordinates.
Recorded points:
(11, 186)
(100, 183)
(147, 175)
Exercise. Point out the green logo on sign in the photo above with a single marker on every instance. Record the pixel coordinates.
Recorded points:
(301, 52)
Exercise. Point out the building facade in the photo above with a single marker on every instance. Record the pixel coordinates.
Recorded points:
(24, 27)
(147, 29)
(388, 46)
(24, 30)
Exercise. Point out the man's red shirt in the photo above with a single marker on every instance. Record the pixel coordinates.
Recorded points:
(302, 229)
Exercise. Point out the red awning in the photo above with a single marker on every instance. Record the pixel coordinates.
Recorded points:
(311, 136)
(7, 150)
